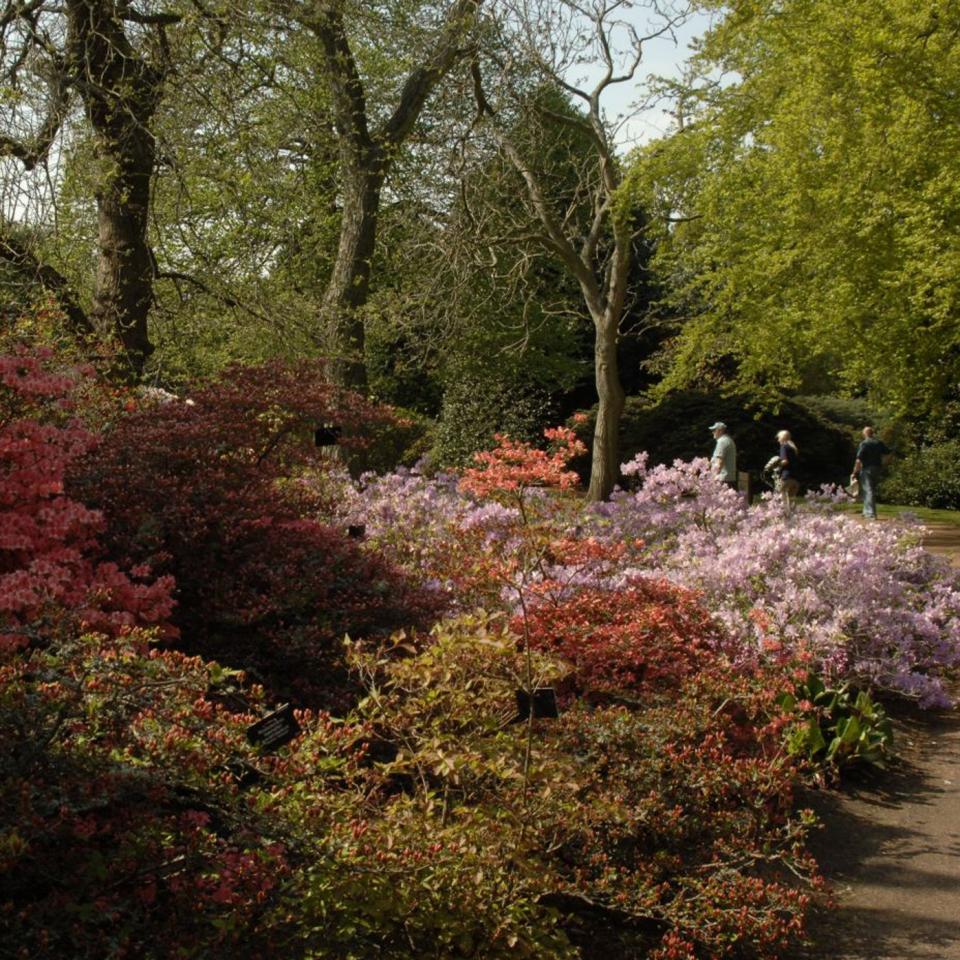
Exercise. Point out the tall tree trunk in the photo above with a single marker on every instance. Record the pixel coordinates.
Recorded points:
(349, 282)
(121, 92)
(124, 286)
(366, 156)
(603, 283)
(605, 465)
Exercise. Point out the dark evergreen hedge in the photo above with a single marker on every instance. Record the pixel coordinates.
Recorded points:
(677, 427)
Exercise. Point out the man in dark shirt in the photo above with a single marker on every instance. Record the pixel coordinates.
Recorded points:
(870, 457)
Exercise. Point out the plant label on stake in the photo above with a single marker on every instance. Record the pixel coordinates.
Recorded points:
(242, 773)
(275, 729)
(543, 702)
(327, 435)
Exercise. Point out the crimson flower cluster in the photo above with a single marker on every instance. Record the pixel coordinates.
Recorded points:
(53, 573)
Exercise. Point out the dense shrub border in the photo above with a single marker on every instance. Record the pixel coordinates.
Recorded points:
(926, 477)
(655, 816)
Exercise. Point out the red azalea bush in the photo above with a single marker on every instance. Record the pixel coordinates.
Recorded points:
(679, 818)
(124, 835)
(646, 637)
(52, 570)
(513, 465)
(207, 490)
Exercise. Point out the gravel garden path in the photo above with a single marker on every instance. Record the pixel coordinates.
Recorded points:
(944, 539)
(890, 845)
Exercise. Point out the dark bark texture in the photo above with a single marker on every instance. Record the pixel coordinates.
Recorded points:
(121, 92)
(16, 254)
(605, 465)
(365, 160)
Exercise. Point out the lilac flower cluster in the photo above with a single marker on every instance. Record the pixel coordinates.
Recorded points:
(409, 518)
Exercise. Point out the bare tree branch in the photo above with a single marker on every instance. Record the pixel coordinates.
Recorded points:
(228, 301)
(421, 82)
(17, 254)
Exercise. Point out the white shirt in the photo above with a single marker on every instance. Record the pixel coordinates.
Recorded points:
(726, 452)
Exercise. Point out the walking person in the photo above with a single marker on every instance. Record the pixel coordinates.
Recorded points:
(788, 485)
(871, 455)
(723, 462)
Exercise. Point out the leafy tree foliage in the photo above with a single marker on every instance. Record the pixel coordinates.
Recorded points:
(465, 295)
(111, 62)
(810, 203)
(591, 237)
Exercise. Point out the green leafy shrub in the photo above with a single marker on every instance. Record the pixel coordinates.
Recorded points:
(927, 477)
(646, 822)
(475, 408)
(836, 726)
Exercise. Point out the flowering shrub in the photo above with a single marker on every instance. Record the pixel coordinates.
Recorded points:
(864, 603)
(498, 533)
(208, 492)
(427, 527)
(646, 637)
(52, 573)
(118, 815)
(644, 826)
(138, 821)
(513, 466)
(861, 603)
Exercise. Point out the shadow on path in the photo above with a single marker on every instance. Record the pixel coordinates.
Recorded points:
(890, 849)
(943, 539)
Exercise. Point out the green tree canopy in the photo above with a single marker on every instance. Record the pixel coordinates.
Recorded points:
(810, 204)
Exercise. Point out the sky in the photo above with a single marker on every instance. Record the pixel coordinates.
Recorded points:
(661, 57)
(664, 56)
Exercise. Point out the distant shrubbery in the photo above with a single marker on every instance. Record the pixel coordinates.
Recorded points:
(474, 409)
(852, 413)
(927, 477)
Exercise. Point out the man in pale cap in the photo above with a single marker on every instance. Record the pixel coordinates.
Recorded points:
(724, 459)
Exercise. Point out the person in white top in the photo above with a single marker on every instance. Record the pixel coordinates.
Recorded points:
(724, 459)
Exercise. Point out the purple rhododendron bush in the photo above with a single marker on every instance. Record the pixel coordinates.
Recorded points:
(169, 571)
(861, 602)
